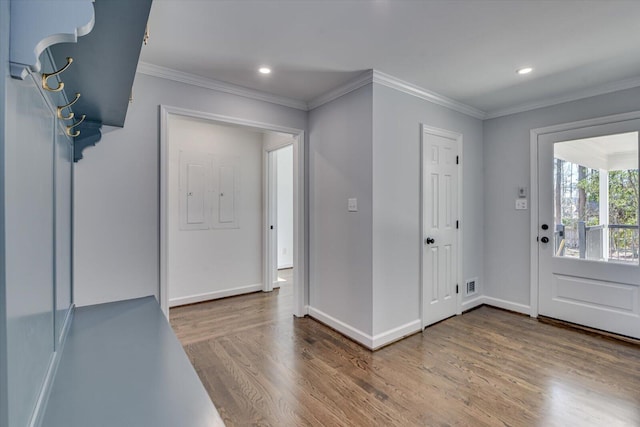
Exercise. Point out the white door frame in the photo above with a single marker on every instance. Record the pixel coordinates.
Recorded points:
(459, 138)
(270, 215)
(535, 197)
(299, 210)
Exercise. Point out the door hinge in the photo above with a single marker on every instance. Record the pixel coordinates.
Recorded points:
(457, 160)
(457, 224)
(457, 290)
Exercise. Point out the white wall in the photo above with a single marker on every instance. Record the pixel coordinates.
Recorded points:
(284, 190)
(506, 166)
(117, 189)
(396, 201)
(340, 167)
(212, 263)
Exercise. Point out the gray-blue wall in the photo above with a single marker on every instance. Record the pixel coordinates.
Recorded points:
(340, 242)
(396, 201)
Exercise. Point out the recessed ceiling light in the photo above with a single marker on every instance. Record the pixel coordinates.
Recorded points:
(524, 70)
(264, 70)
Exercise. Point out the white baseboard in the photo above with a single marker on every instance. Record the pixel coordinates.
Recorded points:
(508, 305)
(348, 330)
(395, 334)
(370, 342)
(191, 299)
(285, 266)
(472, 303)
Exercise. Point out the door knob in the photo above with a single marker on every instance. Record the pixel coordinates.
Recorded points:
(429, 240)
(545, 239)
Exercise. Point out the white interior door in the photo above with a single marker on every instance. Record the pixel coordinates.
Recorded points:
(588, 227)
(271, 232)
(439, 225)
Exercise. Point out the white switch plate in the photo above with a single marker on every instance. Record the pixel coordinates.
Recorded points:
(352, 205)
(521, 204)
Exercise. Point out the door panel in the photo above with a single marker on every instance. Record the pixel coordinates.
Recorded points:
(440, 210)
(588, 213)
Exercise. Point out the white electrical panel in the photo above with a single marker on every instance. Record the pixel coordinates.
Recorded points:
(225, 190)
(226, 194)
(195, 194)
(194, 174)
(208, 188)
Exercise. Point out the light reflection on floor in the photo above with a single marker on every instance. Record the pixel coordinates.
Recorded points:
(568, 400)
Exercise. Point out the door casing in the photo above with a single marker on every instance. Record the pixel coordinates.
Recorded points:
(580, 129)
(300, 288)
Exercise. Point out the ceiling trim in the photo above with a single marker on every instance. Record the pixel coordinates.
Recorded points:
(353, 84)
(436, 98)
(575, 96)
(375, 76)
(208, 83)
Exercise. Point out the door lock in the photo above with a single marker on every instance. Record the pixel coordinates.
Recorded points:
(545, 239)
(429, 240)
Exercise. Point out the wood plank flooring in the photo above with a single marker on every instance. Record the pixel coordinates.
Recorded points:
(261, 366)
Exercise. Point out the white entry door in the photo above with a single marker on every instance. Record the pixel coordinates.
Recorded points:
(588, 270)
(439, 224)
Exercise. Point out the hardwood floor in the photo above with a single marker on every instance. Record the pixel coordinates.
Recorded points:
(261, 366)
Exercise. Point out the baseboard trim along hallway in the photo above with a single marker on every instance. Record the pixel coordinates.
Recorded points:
(207, 296)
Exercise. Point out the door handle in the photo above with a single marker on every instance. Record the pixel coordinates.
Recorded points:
(545, 239)
(429, 240)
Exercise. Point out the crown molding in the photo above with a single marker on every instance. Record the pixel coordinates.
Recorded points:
(427, 95)
(207, 83)
(374, 76)
(575, 96)
(353, 84)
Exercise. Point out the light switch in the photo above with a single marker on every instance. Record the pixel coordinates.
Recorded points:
(521, 204)
(352, 205)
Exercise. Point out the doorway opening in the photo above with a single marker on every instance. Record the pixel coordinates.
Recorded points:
(218, 207)
(279, 210)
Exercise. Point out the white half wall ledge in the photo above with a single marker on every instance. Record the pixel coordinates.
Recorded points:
(38, 24)
(208, 296)
(368, 341)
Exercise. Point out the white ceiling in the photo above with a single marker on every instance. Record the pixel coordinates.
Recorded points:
(610, 152)
(467, 50)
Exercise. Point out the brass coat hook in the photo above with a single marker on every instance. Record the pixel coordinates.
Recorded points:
(45, 77)
(76, 133)
(62, 107)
